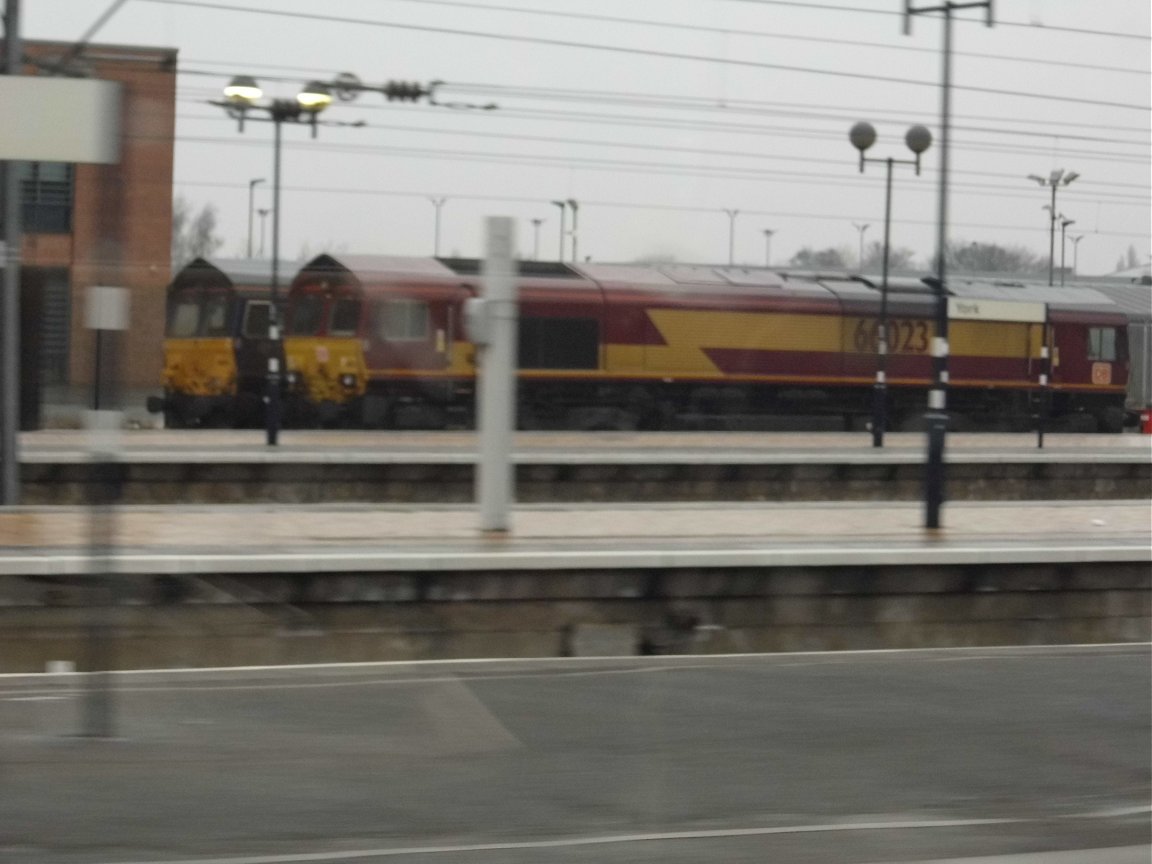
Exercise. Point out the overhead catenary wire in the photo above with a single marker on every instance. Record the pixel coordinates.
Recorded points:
(646, 52)
(623, 205)
(829, 7)
(776, 131)
(762, 34)
(712, 105)
(649, 146)
(641, 168)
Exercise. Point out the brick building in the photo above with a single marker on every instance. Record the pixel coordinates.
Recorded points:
(98, 225)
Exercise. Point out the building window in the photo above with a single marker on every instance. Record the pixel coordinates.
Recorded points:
(1102, 343)
(46, 196)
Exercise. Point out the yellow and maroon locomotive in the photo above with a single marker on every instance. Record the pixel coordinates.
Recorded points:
(216, 344)
(380, 341)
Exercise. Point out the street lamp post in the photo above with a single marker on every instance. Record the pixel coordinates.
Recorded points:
(934, 470)
(563, 205)
(861, 227)
(732, 214)
(536, 223)
(1076, 238)
(437, 203)
(263, 213)
(575, 211)
(251, 191)
(1055, 180)
(1064, 223)
(768, 232)
(918, 139)
(242, 94)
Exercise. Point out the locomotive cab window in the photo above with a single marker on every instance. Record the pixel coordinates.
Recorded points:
(345, 317)
(559, 343)
(403, 320)
(1102, 343)
(256, 319)
(184, 318)
(216, 315)
(306, 314)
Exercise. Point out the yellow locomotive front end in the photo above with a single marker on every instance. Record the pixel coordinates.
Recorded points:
(200, 373)
(323, 349)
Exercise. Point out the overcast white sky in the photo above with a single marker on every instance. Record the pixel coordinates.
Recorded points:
(656, 148)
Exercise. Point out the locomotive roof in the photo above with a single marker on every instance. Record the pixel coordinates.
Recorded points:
(1134, 300)
(380, 266)
(238, 272)
(1073, 297)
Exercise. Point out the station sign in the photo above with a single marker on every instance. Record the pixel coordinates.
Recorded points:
(59, 119)
(968, 309)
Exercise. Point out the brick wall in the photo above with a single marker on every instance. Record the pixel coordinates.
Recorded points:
(122, 214)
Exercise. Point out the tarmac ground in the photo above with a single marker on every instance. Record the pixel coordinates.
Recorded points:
(1025, 755)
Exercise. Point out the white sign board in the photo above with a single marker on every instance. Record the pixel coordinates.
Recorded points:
(59, 119)
(967, 309)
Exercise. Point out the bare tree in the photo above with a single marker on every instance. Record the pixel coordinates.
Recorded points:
(821, 259)
(899, 258)
(193, 234)
(993, 258)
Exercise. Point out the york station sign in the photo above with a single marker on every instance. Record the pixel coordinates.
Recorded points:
(964, 309)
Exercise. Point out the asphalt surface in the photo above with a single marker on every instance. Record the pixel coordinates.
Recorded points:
(840, 758)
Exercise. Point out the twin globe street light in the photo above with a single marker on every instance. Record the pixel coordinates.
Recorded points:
(242, 98)
(918, 139)
(1056, 179)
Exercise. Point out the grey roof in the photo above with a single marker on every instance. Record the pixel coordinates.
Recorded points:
(1135, 300)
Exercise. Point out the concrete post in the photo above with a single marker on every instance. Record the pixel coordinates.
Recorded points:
(107, 315)
(496, 411)
(10, 290)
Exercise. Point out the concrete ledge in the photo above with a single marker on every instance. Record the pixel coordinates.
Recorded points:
(551, 477)
(319, 561)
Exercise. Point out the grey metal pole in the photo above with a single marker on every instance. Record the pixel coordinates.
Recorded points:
(276, 346)
(497, 409)
(1044, 408)
(938, 395)
(10, 291)
(732, 214)
(934, 479)
(863, 227)
(880, 391)
(575, 212)
(536, 223)
(437, 203)
(251, 194)
(563, 205)
(1076, 254)
(1052, 235)
(768, 232)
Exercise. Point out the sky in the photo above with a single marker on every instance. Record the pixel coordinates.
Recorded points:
(683, 129)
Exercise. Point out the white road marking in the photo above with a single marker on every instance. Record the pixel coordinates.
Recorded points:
(33, 698)
(390, 852)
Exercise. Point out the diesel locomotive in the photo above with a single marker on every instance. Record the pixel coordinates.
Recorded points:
(381, 342)
(216, 344)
